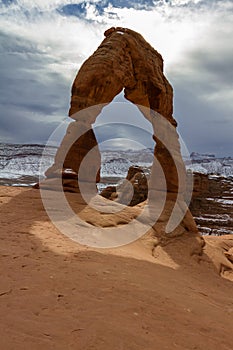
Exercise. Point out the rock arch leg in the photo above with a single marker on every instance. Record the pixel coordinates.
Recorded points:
(76, 144)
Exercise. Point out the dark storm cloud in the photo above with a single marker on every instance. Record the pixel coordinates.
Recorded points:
(44, 42)
(203, 126)
(203, 90)
(213, 65)
(28, 90)
(25, 129)
(108, 132)
(203, 104)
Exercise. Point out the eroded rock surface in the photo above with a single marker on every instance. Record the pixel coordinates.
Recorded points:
(125, 61)
(211, 204)
(132, 191)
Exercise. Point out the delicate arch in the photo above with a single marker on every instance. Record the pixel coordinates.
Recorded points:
(125, 61)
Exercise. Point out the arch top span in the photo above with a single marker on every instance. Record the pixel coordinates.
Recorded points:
(123, 61)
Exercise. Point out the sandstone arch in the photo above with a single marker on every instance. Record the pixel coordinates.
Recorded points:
(119, 63)
(124, 61)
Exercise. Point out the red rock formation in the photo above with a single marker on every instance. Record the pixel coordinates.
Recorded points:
(136, 180)
(119, 63)
(125, 61)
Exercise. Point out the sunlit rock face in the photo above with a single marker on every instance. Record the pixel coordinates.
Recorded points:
(125, 61)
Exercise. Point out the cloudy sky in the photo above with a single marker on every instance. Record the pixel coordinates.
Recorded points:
(44, 42)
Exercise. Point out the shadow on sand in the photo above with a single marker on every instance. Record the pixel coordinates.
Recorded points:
(55, 294)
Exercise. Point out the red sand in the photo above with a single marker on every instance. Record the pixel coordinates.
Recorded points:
(56, 294)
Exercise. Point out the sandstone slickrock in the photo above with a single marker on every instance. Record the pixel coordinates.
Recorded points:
(132, 191)
(125, 61)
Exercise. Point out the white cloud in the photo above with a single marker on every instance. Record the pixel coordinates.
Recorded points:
(194, 38)
(43, 5)
(173, 30)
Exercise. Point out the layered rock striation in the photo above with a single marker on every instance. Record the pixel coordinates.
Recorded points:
(125, 61)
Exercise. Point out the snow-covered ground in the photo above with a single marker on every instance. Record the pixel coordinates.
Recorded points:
(20, 166)
(209, 164)
(24, 160)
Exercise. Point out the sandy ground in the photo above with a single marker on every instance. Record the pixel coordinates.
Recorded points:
(56, 294)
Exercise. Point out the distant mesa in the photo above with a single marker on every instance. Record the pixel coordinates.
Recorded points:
(198, 156)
